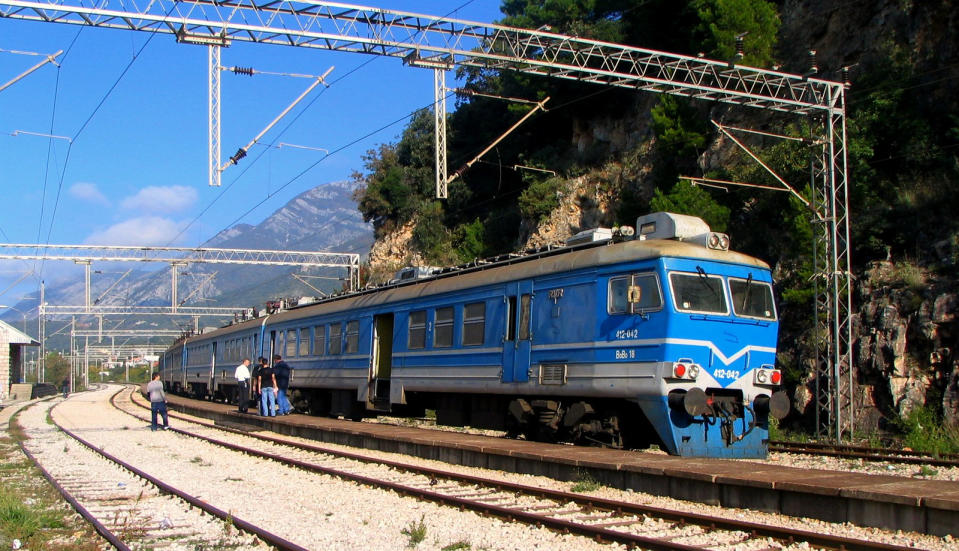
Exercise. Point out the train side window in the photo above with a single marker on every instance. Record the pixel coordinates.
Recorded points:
(698, 293)
(524, 316)
(443, 328)
(352, 337)
(304, 342)
(646, 293)
(634, 294)
(474, 324)
(417, 337)
(319, 340)
(510, 318)
(616, 303)
(290, 348)
(336, 338)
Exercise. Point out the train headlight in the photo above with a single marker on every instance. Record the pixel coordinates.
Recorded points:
(685, 370)
(679, 371)
(767, 375)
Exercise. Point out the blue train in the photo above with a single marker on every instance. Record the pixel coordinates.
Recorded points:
(665, 337)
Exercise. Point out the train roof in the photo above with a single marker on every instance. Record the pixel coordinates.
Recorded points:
(505, 269)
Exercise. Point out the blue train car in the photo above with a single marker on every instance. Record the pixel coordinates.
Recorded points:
(668, 338)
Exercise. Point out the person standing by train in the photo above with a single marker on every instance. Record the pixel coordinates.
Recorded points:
(282, 371)
(242, 374)
(157, 402)
(255, 382)
(267, 391)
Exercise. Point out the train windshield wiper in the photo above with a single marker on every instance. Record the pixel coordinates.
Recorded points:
(704, 279)
(749, 282)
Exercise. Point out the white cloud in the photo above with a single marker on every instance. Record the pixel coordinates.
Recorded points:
(165, 199)
(145, 230)
(88, 192)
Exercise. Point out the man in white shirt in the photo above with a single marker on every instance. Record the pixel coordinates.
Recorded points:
(242, 375)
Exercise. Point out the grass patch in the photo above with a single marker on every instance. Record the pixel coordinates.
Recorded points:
(458, 546)
(32, 511)
(585, 483)
(416, 532)
(925, 432)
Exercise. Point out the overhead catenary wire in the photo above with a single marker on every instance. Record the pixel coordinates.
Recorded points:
(309, 104)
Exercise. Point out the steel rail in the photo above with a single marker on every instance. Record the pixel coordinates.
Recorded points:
(272, 539)
(586, 502)
(911, 457)
(98, 526)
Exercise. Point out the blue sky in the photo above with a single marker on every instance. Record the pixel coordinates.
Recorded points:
(136, 170)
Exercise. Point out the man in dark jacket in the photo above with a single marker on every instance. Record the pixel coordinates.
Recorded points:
(282, 371)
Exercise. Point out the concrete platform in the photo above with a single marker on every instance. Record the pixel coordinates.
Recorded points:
(890, 502)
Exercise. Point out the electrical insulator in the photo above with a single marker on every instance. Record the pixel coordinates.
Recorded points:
(813, 68)
(240, 153)
(243, 71)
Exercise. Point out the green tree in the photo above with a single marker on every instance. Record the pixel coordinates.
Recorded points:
(686, 198)
(721, 21)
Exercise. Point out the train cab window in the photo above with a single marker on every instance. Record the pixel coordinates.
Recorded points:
(303, 346)
(698, 293)
(474, 324)
(634, 294)
(290, 348)
(336, 338)
(352, 337)
(319, 340)
(443, 328)
(752, 299)
(417, 337)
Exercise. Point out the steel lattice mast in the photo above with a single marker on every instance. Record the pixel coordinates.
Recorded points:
(350, 28)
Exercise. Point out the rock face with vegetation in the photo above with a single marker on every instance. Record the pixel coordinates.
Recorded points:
(603, 156)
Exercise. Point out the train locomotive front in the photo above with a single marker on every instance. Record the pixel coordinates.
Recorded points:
(702, 329)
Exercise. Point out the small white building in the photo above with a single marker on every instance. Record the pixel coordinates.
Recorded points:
(12, 369)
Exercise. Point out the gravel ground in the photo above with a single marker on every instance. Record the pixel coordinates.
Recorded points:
(315, 511)
(321, 512)
(908, 539)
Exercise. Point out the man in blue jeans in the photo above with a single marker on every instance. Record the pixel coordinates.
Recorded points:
(267, 391)
(157, 402)
(282, 371)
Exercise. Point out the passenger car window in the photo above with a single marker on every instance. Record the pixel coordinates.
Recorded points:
(336, 339)
(352, 337)
(319, 340)
(752, 299)
(290, 343)
(698, 293)
(474, 323)
(417, 334)
(443, 328)
(304, 346)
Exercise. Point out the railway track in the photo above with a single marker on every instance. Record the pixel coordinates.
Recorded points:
(866, 452)
(601, 519)
(129, 508)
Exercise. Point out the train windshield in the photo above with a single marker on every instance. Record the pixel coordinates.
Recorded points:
(752, 299)
(699, 292)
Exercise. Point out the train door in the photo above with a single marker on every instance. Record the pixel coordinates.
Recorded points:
(381, 361)
(517, 337)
